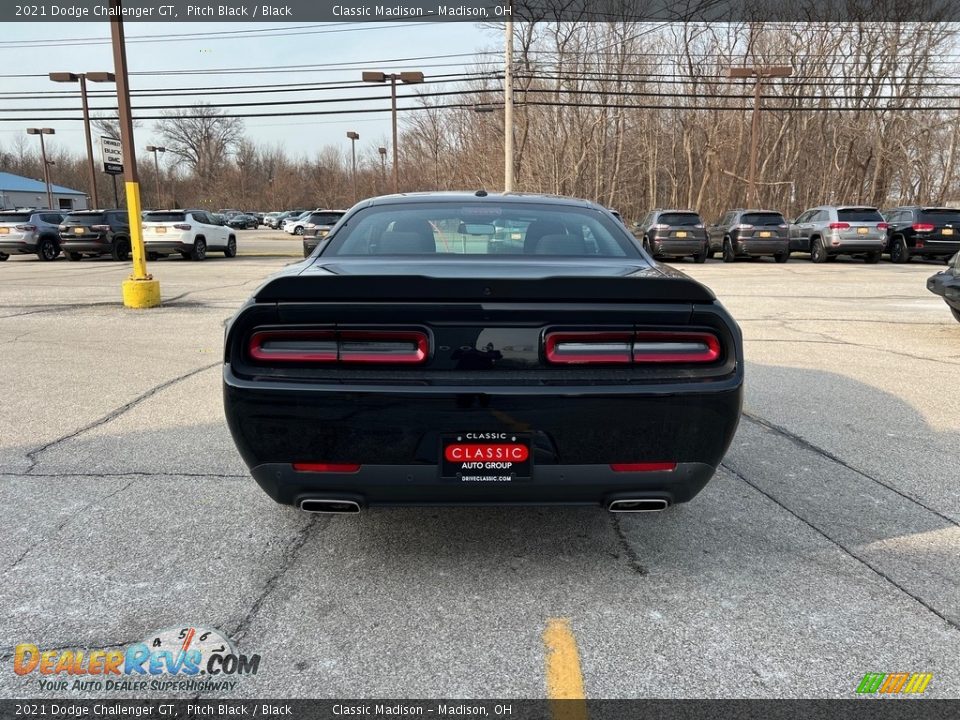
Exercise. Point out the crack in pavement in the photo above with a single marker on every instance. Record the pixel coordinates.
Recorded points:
(34, 455)
(289, 555)
(633, 557)
(847, 551)
(807, 445)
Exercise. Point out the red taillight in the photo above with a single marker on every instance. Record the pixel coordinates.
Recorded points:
(182, 226)
(625, 348)
(100, 228)
(27, 228)
(923, 227)
(744, 226)
(316, 467)
(392, 347)
(882, 226)
(644, 467)
(839, 226)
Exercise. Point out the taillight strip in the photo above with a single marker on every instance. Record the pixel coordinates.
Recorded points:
(315, 346)
(390, 347)
(626, 348)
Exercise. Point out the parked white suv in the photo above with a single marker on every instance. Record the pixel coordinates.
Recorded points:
(192, 233)
(294, 226)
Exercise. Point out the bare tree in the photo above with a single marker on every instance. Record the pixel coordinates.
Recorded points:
(202, 136)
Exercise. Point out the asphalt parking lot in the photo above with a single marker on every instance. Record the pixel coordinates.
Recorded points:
(826, 547)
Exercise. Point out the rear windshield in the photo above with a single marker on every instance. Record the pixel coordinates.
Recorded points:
(15, 217)
(482, 228)
(326, 218)
(165, 217)
(938, 215)
(82, 218)
(763, 219)
(685, 219)
(859, 215)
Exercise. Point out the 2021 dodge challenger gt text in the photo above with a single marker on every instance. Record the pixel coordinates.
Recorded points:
(467, 349)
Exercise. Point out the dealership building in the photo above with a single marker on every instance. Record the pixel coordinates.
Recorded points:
(17, 191)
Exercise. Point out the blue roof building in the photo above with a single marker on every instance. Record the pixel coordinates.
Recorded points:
(17, 191)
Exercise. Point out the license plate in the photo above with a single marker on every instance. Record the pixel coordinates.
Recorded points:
(78, 231)
(947, 231)
(4, 231)
(485, 457)
(681, 233)
(863, 230)
(161, 230)
(764, 233)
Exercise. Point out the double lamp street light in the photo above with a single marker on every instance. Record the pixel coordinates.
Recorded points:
(410, 78)
(46, 163)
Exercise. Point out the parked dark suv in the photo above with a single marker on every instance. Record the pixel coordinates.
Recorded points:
(94, 233)
(751, 233)
(29, 232)
(673, 233)
(922, 231)
(317, 226)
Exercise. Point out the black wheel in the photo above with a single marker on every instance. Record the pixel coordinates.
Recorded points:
(956, 314)
(199, 249)
(74, 257)
(47, 249)
(872, 258)
(818, 253)
(231, 250)
(782, 257)
(899, 252)
(120, 250)
(298, 230)
(3, 257)
(152, 256)
(728, 255)
(646, 246)
(701, 257)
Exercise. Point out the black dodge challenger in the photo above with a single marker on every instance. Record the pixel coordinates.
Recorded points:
(468, 349)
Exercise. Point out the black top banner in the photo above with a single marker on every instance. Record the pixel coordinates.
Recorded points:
(487, 11)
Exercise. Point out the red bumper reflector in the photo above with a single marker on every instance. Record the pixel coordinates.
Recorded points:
(327, 467)
(644, 467)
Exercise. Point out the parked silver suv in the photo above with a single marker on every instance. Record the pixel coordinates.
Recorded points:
(830, 230)
(30, 232)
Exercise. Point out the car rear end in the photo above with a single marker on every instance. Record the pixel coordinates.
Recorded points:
(856, 231)
(317, 227)
(167, 232)
(761, 233)
(936, 232)
(86, 233)
(19, 233)
(678, 234)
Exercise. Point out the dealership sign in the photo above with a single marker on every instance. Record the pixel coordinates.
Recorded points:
(111, 151)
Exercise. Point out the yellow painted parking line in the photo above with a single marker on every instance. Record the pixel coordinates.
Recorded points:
(564, 677)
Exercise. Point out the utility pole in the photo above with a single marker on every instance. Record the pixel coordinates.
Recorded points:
(760, 73)
(410, 77)
(508, 108)
(140, 290)
(353, 151)
(46, 163)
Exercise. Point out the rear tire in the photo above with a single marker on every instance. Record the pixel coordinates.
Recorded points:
(120, 250)
(74, 257)
(231, 250)
(872, 258)
(818, 253)
(199, 251)
(728, 255)
(782, 257)
(3, 257)
(899, 252)
(701, 257)
(47, 249)
(298, 230)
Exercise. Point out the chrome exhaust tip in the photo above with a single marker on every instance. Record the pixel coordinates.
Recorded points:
(329, 506)
(638, 505)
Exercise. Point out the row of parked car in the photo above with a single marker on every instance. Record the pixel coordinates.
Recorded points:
(823, 232)
(93, 233)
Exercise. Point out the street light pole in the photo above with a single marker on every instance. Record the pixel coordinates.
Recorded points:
(759, 73)
(353, 151)
(410, 77)
(46, 163)
(140, 290)
(383, 166)
(156, 166)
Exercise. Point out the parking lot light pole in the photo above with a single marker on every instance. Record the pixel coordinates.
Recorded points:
(383, 167)
(760, 73)
(411, 78)
(353, 151)
(140, 290)
(66, 77)
(156, 166)
(46, 163)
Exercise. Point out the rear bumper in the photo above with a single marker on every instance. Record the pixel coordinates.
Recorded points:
(936, 248)
(394, 434)
(678, 247)
(69, 245)
(835, 245)
(10, 247)
(762, 246)
(167, 247)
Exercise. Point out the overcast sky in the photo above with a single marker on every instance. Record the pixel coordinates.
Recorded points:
(41, 48)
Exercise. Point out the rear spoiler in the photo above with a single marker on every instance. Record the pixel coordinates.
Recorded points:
(649, 287)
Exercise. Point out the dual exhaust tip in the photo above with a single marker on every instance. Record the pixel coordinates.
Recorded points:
(338, 506)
